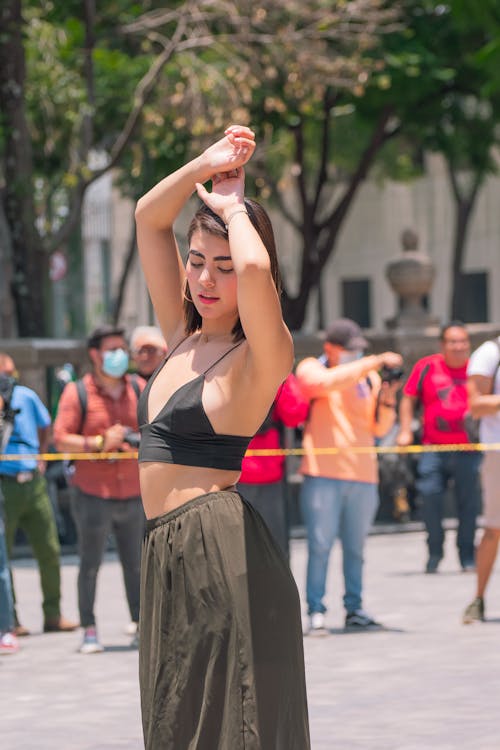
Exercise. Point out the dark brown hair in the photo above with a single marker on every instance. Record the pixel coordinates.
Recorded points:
(205, 220)
(452, 324)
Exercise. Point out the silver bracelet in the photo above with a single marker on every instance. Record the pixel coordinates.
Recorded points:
(238, 211)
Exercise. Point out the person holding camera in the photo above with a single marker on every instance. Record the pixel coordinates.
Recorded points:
(438, 384)
(350, 407)
(8, 639)
(25, 432)
(103, 419)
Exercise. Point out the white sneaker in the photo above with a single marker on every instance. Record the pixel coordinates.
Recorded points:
(131, 628)
(8, 643)
(317, 624)
(90, 643)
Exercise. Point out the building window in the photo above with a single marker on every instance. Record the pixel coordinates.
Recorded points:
(356, 301)
(474, 307)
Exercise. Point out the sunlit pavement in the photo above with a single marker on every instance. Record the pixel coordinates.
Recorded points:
(427, 681)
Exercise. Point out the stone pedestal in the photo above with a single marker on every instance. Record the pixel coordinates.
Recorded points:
(411, 276)
(37, 358)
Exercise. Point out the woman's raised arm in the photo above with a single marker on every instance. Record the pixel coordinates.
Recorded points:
(253, 255)
(155, 215)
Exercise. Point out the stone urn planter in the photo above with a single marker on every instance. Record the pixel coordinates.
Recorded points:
(411, 276)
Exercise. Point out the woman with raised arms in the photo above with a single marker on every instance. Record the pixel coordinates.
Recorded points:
(221, 657)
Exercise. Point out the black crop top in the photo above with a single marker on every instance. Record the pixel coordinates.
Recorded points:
(181, 433)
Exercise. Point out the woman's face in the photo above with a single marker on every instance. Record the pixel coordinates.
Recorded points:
(211, 277)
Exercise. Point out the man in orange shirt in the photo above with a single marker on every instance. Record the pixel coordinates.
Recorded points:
(107, 492)
(350, 406)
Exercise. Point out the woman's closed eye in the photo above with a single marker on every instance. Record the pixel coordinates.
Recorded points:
(218, 268)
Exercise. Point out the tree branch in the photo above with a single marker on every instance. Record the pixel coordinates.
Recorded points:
(332, 223)
(329, 101)
(298, 136)
(87, 139)
(143, 90)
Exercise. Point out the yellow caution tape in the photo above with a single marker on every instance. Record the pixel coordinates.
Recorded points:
(120, 456)
(127, 456)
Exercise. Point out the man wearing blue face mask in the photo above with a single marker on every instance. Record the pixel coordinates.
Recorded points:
(350, 406)
(99, 414)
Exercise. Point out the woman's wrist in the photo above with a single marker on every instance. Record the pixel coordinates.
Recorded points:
(203, 170)
(230, 213)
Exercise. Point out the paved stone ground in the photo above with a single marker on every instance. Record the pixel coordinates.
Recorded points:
(425, 682)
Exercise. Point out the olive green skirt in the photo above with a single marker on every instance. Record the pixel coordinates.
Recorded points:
(221, 658)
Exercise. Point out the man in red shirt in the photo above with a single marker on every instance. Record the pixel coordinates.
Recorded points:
(438, 382)
(107, 495)
(262, 480)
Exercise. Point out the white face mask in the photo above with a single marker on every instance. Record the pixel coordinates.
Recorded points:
(349, 356)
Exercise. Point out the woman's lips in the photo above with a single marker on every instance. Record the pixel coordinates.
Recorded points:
(207, 300)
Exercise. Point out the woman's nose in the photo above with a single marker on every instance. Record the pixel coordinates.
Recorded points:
(205, 278)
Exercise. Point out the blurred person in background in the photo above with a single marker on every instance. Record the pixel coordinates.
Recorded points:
(27, 503)
(8, 640)
(483, 389)
(103, 418)
(350, 407)
(148, 349)
(262, 480)
(438, 383)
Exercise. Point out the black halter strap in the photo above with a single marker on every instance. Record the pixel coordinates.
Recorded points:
(222, 357)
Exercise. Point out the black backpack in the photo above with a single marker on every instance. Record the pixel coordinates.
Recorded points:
(7, 414)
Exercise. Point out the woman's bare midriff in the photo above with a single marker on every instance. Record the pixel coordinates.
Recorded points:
(165, 487)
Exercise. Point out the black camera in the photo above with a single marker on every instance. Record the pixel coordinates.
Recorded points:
(391, 374)
(7, 384)
(132, 438)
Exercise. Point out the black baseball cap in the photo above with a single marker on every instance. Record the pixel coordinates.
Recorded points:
(346, 333)
(101, 332)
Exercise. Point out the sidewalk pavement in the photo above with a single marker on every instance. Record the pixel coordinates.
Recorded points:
(426, 682)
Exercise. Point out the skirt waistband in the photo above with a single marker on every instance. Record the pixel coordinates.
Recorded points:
(153, 523)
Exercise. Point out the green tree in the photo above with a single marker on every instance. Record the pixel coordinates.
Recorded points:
(469, 129)
(460, 120)
(51, 121)
(427, 85)
(75, 81)
(295, 87)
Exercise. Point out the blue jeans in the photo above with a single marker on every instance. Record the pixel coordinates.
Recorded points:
(336, 508)
(434, 472)
(6, 603)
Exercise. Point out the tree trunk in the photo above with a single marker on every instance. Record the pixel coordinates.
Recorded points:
(27, 252)
(319, 238)
(459, 244)
(125, 273)
(464, 207)
(7, 321)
